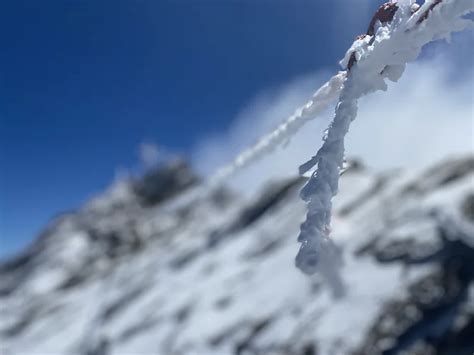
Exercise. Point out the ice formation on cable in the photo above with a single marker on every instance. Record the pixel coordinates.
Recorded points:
(321, 100)
(381, 57)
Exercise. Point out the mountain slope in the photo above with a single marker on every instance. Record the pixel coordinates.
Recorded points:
(148, 269)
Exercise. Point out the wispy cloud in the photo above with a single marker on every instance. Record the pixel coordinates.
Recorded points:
(424, 117)
(421, 119)
(260, 116)
(149, 154)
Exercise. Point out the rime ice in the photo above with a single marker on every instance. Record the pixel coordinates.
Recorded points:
(321, 100)
(381, 57)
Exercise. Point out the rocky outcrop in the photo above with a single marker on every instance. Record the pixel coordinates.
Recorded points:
(161, 183)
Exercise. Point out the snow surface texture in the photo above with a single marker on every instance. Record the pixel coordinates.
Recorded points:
(211, 276)
(382, 57)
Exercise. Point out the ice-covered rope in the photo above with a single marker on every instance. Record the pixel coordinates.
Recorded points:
(383, 57)
(321, 101)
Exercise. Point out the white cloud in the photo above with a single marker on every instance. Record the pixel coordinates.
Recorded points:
(262, 115)
(423, 118)
(149, 153)
(419, 120)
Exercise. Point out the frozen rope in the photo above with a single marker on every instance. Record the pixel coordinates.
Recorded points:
(321, 101)
(379, 57)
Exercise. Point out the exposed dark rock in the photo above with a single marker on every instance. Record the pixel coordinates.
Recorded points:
(468, 208)
(223, 302)
(73, 281)
(164, 182)
(377, 187)
(16, 263)
(184, 259)
(183, 313)
(428, 315)
(222, 197)
(19, 326)
(309, 349)
(459, 340)
(268, 200)
(246, 344)
(136, 329)
(447, 172)
(102, 347)
(267, 246)
(224, 335)
(120, 304)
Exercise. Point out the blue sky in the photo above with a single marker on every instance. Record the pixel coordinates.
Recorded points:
(84, 82)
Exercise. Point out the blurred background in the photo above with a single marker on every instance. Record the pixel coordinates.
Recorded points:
(114, 113)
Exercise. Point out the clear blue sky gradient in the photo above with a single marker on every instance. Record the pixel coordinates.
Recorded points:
(83, 82)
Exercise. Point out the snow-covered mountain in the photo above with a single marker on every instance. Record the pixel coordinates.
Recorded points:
(151, 267)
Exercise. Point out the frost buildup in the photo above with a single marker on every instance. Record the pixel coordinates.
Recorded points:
(321, 101)
(323, 185)
(372, 59)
